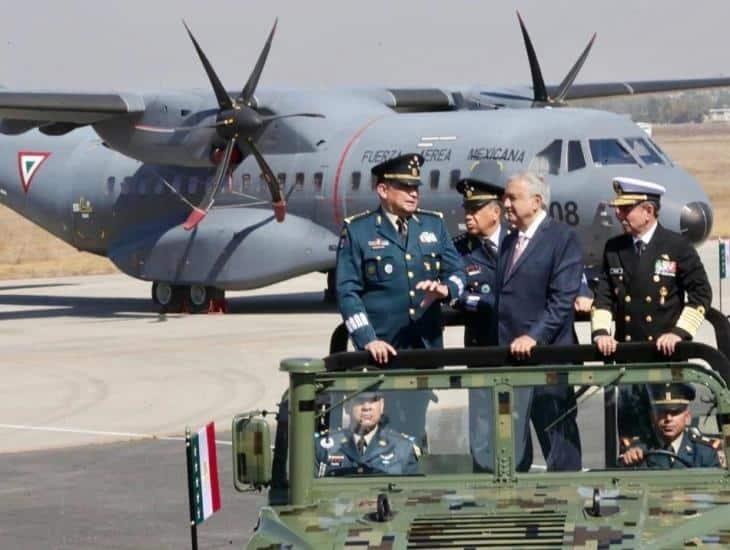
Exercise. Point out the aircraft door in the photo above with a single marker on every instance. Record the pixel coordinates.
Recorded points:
(93, 190)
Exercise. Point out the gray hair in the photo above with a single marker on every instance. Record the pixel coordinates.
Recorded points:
(536, 185)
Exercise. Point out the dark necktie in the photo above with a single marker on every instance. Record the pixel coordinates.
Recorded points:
(490, 246)
(402, 225)
(639, 247)
(361, 445)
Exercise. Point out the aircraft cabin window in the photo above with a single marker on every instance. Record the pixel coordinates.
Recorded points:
(547, 161)
(434, 179)
(576, 160)
(142, 187)
(454, 178)
(606, 152)
(658, 149)
(193, 186)
(282, 180)
(318, 182)
(246, 180)
(299, 179)
(127, 186)
(642, 148)
(356, 176)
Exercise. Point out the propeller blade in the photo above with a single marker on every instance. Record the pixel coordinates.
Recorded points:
(224, 100)
(199, 212)
(570, 77)
(538, 83)
(253, 80)
(277, 200)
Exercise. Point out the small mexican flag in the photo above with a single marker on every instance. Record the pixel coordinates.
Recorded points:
(205, 494)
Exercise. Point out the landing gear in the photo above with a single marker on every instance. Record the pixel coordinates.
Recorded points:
(169, 297)
(330, 293)
(188, 299)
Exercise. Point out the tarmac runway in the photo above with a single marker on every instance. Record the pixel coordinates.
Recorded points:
(97, 389)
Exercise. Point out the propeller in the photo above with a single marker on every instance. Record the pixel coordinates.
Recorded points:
(541, 96)
(238, 123)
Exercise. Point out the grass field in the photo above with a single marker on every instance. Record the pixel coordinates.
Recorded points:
(702, 149)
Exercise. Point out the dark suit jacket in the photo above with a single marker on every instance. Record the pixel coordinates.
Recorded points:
(536, 297)
(646, 295)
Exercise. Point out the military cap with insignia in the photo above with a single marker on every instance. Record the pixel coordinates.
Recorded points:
(674, 395)
(632, 191)
(477, 193)
(404, 169)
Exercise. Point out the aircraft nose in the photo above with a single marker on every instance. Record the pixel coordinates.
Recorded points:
(695, 221)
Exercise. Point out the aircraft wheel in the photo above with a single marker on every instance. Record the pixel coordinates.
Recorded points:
(167, 295)
(199, 297)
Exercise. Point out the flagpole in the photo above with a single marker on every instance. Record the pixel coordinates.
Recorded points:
(191, 490)
(721, 267)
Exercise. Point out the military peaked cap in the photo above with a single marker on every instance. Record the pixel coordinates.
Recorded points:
(405, 169)
(631, 191)
(477, 193)
(672, 395)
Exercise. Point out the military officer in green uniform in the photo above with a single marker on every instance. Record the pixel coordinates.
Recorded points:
(394, 266)
(652, 285)
(676, 445)
(366, 446)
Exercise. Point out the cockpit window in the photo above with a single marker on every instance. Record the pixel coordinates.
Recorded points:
(658, 149)
(645, 152)
(547, 161)
(576, 160)
(609, 151)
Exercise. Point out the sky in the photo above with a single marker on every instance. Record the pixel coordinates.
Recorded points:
(142, 45)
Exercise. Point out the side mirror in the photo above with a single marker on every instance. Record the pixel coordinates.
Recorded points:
(251, 452)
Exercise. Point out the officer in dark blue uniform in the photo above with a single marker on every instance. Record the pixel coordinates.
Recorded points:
(366, 446)
(478, 248)
(677, 445)
(393, 267)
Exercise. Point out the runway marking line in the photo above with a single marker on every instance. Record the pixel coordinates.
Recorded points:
(98, 432)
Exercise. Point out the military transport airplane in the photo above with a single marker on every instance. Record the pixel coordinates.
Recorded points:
(177, 188)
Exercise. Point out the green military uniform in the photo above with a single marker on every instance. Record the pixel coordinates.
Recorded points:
(388, 452)
(642, 288)
(693, 450)
(378, 269)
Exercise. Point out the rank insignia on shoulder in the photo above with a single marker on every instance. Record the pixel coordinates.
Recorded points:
(432, 212)
(354, 217)
(616, 271)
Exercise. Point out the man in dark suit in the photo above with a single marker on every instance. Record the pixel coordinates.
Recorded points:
(393, 267)
(479, 248)
(538, 278)
(677, 444)
(646, 274)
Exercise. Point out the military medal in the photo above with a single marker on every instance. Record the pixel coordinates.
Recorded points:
(663, 292)
(388, 269)
(326, 443)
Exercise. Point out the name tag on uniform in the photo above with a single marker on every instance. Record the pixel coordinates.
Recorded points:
(667, 268)
(378, 244)
(427, 237)
(616, 271)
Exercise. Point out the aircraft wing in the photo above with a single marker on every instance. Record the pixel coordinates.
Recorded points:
(57, 113)
(608, 89)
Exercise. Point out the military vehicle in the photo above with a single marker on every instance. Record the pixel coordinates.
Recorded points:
(447, 501)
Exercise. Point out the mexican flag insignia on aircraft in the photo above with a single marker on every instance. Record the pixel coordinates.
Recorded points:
(28, 164)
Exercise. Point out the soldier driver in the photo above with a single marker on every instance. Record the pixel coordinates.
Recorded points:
(671, 418)
(393, 267)
(366, 446)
